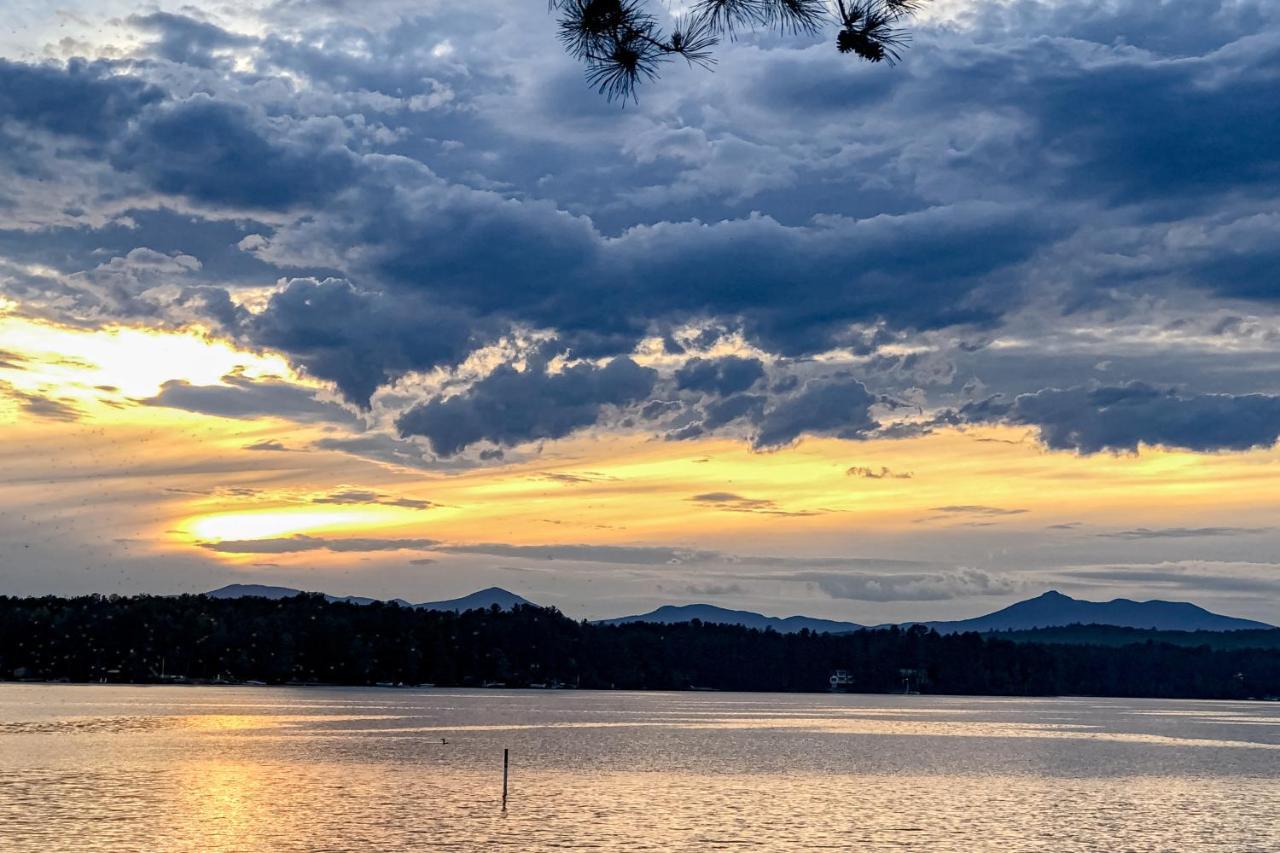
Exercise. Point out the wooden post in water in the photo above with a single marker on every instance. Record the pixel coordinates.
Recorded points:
(506, 763)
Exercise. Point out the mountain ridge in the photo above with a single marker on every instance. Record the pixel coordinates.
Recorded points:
(670, 614)
(1051, 609)
(481, 599)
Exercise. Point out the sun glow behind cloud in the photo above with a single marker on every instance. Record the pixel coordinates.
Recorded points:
(281, 522)
(132, 362)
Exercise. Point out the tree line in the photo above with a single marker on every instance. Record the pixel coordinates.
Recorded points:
(306, 639)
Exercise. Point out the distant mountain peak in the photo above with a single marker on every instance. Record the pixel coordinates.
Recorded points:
(670, 614)
(1053, 609)
(480, 600)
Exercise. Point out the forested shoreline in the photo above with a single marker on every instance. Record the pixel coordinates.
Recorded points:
(305, 639)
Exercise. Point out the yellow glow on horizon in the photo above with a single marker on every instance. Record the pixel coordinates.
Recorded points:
(272, 523)
(633, 490)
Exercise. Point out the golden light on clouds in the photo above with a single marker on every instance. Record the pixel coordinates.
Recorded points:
(170, 480)
(718, 493)
(270, 523)
(90, 365)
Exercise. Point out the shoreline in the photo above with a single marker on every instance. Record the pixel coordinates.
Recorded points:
(526, 689)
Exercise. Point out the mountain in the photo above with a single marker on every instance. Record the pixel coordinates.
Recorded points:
(1053, 609)
(482, 600)
(670, 614)
(253, 590)
(257, 590)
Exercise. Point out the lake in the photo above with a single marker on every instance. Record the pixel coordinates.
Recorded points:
(215, 768)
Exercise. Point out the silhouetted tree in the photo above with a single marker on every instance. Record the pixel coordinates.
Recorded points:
(307, 639)
(623, 44)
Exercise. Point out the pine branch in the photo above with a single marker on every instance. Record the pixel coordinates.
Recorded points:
(622, 44)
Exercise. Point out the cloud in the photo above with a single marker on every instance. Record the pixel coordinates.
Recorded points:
(716, 589)
(269, 445)
(510, 407)
(614, 554)
(881, 473)
(247, 398)
(932, 586)
(185, 40)
(88, 100)
(300, 543)
(220, 153)
(41, 406)
(12, 361)
(576, 479)
(1121, 418)
(1181, 576)
(976, 509)
(730, 502)
(718, 413)
(361, 339)
(1183, 532)
(379, 448)
(487, 256)
(350, 497)
(664, 555)
(723, 376)
(836, 407)
(406, 206)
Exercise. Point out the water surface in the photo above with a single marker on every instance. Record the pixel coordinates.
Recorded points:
(92, 768)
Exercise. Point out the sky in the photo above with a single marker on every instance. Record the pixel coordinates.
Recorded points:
(381, 298)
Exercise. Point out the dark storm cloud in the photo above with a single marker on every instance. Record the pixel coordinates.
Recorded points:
(722, 376)
(1139, 130)
(1120, 418)
(185, 40)
(792, 289)
(511, 406)
(87, 100)
(835, 407)
(358, 339)
(219, 153)
(717, 413)
(247, 398)
(1106, 151)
